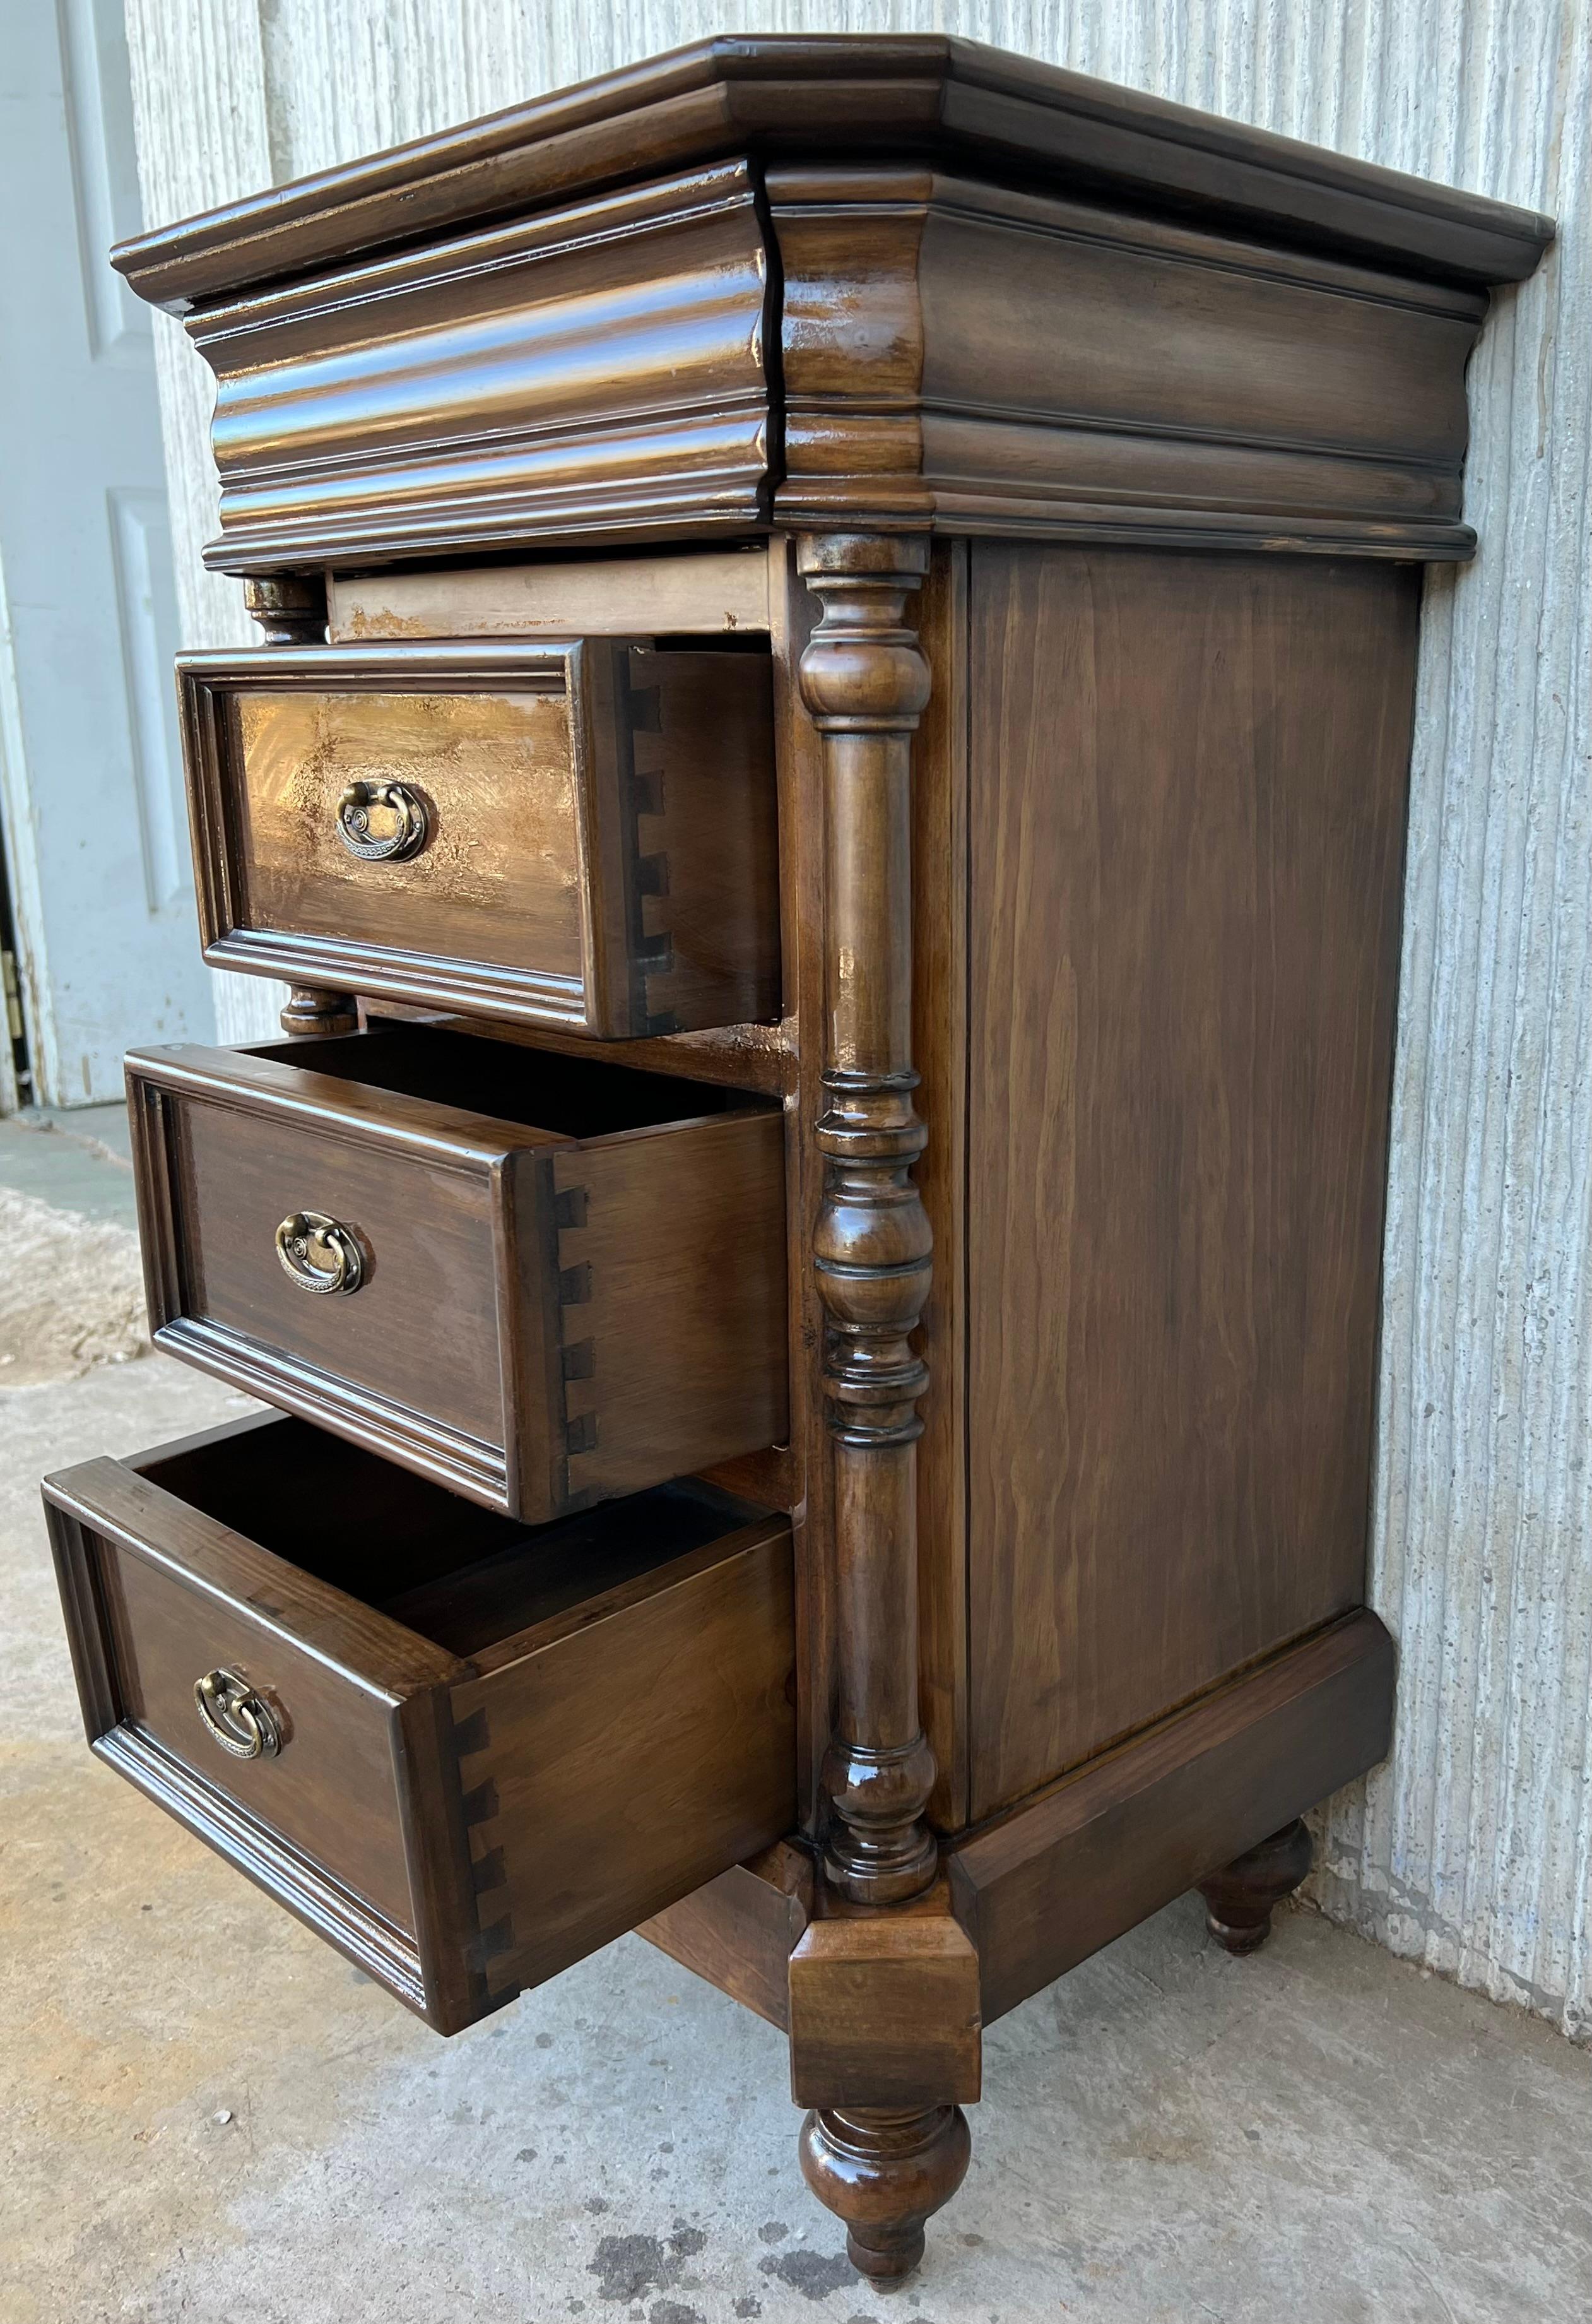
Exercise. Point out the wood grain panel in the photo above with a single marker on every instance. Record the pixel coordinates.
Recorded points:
(708, 589)
(939, 1043)
(1118, 1839)
(677, 1242)
(500, 876)
(637, 1753)
(739, 1931)
(1190, 775)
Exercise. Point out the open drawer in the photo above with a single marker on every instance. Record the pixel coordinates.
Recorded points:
(579, 834)
(467, 1751)
(541, 1280)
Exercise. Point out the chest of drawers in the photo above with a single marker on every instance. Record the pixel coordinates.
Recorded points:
(828, 773)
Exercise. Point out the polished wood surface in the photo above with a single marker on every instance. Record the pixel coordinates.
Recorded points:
(598, 827)
(619, 1730)
(541, 1319)
(629, 1752)
(966, 521)
(885, 2172)
(865, 682)
(485, 340)
(290, 608)
(595, 371)
(921, 93)
(884, 2007)
(1203, 389)
(1186, 872)
(1240, 1899)
(1092, 1856)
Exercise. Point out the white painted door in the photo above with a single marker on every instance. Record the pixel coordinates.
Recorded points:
(96, 838)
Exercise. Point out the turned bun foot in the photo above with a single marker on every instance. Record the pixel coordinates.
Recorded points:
(1240, 1898)
(884, 2173)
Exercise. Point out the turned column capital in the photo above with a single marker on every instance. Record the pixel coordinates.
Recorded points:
(863, 670)
(289, 607)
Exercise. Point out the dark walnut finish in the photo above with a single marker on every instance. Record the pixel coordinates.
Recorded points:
(579, 835)
(536, 1310)
(827, 362)
(1240, 1899)
(500, 1746)
(879, 582)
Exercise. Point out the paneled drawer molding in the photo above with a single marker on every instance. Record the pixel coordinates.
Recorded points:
(489, 1750)
(579, 834)
(539, 1313)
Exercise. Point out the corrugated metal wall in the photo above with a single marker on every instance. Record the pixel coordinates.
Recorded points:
(1472, 1850)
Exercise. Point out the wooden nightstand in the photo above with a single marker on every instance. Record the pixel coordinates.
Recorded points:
(829, 773)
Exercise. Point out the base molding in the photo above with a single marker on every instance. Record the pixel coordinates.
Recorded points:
(1064, 1874)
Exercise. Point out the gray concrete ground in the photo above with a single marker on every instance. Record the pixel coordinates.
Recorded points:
(77, 1160)
(207, 2114)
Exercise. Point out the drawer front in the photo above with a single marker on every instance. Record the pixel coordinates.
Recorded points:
(579, 835)
(330, 1789)
(498, 876)
(597, 1721)
(416, 1360)
(538, 1320)
(420, 1333)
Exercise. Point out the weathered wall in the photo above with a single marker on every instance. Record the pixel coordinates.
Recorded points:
(1472, 1849)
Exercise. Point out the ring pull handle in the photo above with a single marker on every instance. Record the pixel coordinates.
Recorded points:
(234, 1715)
(410, 825)
(318, 1254)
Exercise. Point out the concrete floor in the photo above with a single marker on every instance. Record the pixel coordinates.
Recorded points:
(206, 2113)
(77, 1160)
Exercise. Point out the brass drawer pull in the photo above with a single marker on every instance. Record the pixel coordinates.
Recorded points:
(233, 1715)
(318, 1253)
(411, 828)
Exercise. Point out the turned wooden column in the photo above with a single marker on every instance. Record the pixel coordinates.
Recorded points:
(883, 2168)
(865, 682)
(291, 611)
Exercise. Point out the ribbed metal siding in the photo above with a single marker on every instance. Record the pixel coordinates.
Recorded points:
(1471, 1851)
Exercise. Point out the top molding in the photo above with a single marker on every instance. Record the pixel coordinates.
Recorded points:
(954, 104)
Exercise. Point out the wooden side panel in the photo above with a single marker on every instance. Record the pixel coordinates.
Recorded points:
(1120, 1838)
(705, 863)
(637, 1755)
(671, 1260)
(1189, 776)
